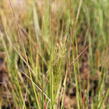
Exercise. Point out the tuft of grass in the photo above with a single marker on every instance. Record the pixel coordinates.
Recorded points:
(52, 47)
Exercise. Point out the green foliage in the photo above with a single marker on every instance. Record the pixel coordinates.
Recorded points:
(43, 52)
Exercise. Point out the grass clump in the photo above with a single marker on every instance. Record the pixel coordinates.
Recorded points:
(56, 54)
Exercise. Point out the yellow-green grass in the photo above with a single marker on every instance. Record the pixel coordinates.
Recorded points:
(40, 42)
